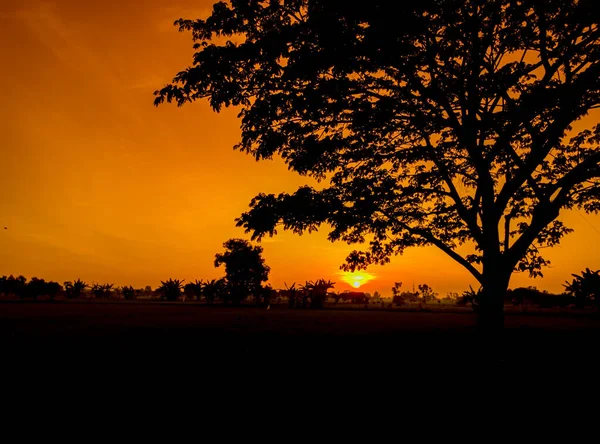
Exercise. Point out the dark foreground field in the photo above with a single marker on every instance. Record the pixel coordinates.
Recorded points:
(178, 339)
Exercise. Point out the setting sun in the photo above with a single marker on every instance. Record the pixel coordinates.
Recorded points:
(357, 279)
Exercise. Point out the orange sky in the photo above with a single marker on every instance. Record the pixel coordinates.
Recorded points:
(97, 183)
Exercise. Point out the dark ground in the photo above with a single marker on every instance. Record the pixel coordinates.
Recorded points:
(145, 364)
(170, 338)
(289, 367)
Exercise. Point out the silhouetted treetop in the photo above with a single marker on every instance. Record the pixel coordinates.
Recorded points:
(448, 122)
(245, 268)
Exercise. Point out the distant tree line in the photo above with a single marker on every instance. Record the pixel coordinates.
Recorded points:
(582, 292)
(246, 274)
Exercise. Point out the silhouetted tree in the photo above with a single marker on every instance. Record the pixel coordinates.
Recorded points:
(39, 287)
(194, 289)
(75, 289)
(245, 268)
(102, 291)
(128, 292)
(397, 297)
(472, 297)
(316, 292)
(171, 289)
(292, 294)
(304, 293)
(585, 287)
(35, 288)
(426, 293)
(17, 286)
(443, 125)
(376, 297)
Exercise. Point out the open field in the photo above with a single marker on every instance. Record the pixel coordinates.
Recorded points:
(138, 336)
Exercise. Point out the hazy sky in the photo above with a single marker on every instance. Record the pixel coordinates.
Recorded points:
(97, 183)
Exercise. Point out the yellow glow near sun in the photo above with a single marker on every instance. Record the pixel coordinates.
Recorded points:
(357, 279)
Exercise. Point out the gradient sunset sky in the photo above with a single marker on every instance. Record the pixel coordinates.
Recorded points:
(97, 183)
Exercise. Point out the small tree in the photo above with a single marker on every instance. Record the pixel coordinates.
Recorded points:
(426, 293)
(171, 289)
(75, 289)
(245, 268)
(318, 292)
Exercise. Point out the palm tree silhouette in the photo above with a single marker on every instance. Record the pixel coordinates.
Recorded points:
(171, 289)
(75, 289)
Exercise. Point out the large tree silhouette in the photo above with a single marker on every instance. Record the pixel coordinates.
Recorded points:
(443, 123)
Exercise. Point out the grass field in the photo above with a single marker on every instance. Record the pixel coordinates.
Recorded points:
(130, 337)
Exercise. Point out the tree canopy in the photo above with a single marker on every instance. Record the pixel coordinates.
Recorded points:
(437, 122)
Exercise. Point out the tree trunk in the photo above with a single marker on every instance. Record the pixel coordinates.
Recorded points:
(490, 307)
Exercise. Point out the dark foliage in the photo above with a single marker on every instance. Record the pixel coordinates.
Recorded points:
(13, 286)
(215, 289)
(534, 297)
(585, 288)
(128, 293)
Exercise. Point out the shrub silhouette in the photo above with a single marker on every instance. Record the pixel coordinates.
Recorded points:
(585, 287)
(128, 293)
